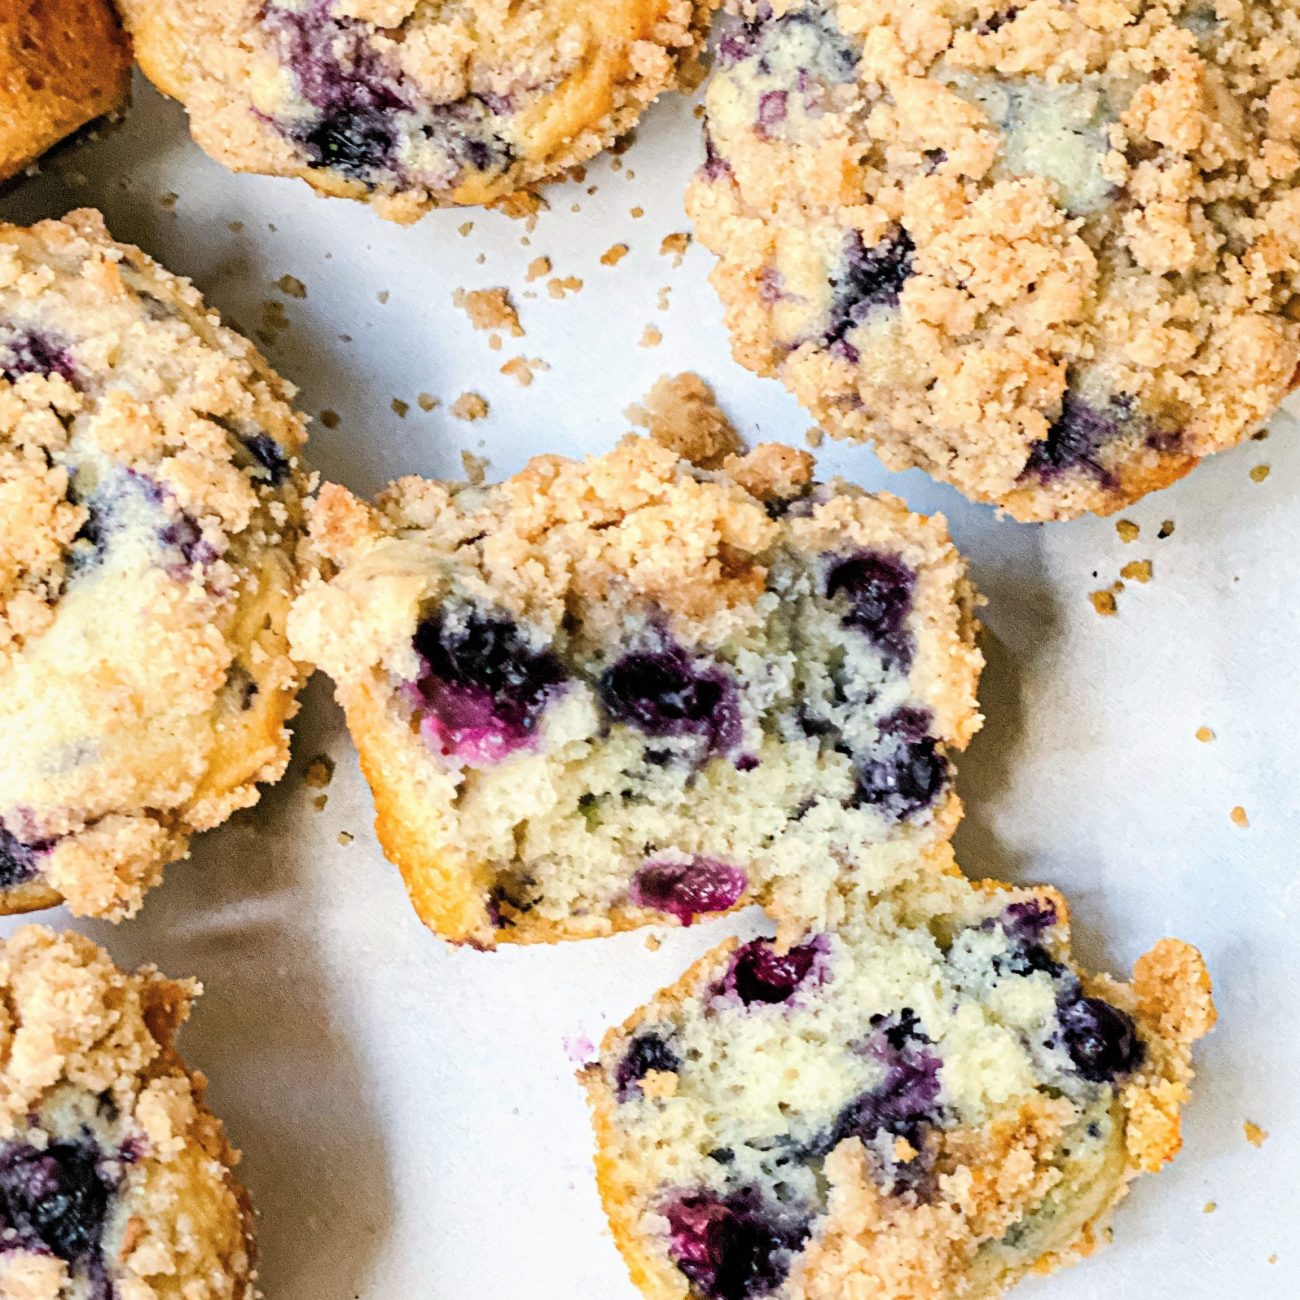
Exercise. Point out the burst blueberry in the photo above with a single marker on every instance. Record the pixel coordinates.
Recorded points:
(1074, 442)
(688, 889)
(268, 454)
(485, 688)
(664, 693)
(868, 279)
(17, 860)
(760, 974)
(733, 1247)
(906, 771)
(878, 589)
(646, 1052)
(30, 353)
(54, 1199)
(1100, 1039)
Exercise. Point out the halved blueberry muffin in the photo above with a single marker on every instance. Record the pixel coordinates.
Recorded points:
(629, 689)
(63, 63)
(150, 514)
(116, 1182)
(1047, 251)
(410, 105)
(929, 1100)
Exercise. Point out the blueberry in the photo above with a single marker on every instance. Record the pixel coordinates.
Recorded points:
(646, 1052)
(1074, 441)
(485, 687)
(905, 1104)
(1024, 924)
(906, 772)
(55, 1199)
(186, 536)
(758, 973)
(878, 591)
(1028, 918)
(29, 353)
(1100, 1039)
(688, 889)
(354, 140)
(869, 278)
(17, 860)
(733, 1247)
(664, 693)
(773, 106)
(268, 454)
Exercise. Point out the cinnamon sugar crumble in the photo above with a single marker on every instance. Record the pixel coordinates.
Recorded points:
(489, 309)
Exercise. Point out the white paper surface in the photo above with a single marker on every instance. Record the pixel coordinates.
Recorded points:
(410, 1123)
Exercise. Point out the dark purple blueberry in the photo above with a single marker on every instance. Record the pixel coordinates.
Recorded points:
(688, 889)
(1100, 1039)
(354, 140)
(715, 165)
(17, 860)
(906, 771)
(905, 1105)
(269, 455)
(868, 278)
(30, 353)
(485, 688)
(1025, 958)
(55, 1199)
(645, 1052)
(934, 159)
(1028, 919)
(664, 693)
(731, 1248)
(758, 973)
(1074, 441)
(995, 22)
(878, 589)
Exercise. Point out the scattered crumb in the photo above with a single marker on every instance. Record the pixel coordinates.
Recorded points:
(475, 467)
(1128, 531)
(575, 207)
(1209, 1207)
(345, 838)
(320, 772)
(168, 201)
(1272, 1259)
(559, 287)
(470, 406)
(651, 337)
(1255, 1135)
(330, 419)
(537, 268)
(1137, 571)
(495, 343)
(663, 297)
(1239, 818)
(613, 256)
(522, 205)
(489, 309)
(523, 370)
(291, 286)
(400, 408)
(653, 942)
(480, 259)
(815, 436)
(1259, 436)
(320, 801)
(1104, 603)
(1260, 473)
(1204, 735)
(465, 227)
(426, 401)
(235, 227)
(382, 296)
(1166, 529)
(638, 213)
(675, 246)
(682, 414)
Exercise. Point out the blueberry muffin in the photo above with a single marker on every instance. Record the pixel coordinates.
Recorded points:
(150, 513)
(1047, 251)
(927, 1101)
(116, 1182)
(408, 104)
(63, 63)
(630, 690)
